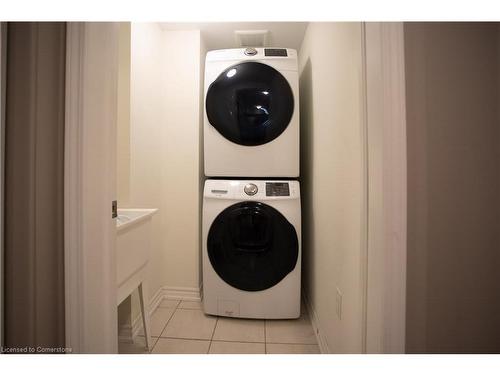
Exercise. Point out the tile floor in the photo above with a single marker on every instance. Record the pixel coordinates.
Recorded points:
(181, 327)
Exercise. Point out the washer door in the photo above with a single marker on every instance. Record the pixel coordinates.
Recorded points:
(250, 104)
(252, 246)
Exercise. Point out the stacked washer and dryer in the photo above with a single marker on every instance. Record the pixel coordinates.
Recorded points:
(251, 202)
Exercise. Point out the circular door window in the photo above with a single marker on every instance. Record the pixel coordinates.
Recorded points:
(250, 104)
(252, 246)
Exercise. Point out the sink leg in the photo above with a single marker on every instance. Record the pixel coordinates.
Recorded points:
(145, 319)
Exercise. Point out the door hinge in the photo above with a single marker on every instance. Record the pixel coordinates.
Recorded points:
(114, 209)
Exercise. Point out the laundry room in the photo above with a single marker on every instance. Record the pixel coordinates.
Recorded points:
(220, 186)
(278, 177)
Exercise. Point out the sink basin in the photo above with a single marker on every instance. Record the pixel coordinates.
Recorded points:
(132, 216)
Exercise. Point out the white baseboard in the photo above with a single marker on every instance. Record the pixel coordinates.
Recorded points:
(166, 292)
(323, 345)
(155, 301)
(186, 294)
(201, 291)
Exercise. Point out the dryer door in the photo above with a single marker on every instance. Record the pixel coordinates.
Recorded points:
(250, 104)
(252, 246)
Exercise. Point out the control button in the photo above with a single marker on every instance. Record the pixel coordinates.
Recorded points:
(251, 189)
(250, 51)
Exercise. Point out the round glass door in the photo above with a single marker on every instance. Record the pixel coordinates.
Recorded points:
(250, 104)
(252, 246)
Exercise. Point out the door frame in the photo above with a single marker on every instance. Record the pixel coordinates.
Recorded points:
(90, 187)
(385, 113)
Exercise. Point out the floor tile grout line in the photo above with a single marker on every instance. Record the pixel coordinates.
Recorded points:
(213, 333)
(165, 326)
(182, 338)
(161, 307)
(177, 307)
(153, 347)
(235, 341)
(291, 343)
(229, 342)
(187, 338)
(241, 341)
(189, 308)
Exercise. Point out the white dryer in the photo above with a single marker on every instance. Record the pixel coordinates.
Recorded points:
(251, 249)
(251, 126)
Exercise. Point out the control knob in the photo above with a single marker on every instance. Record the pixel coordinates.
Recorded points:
(251, 189)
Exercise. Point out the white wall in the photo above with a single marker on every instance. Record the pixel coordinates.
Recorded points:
(181, 158)
(147, 125)
(164, 141)
(332, 176)
(123, 117)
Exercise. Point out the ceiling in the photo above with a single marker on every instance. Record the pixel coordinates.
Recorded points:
(220, 35)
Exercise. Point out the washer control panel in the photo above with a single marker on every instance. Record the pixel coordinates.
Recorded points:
(259, 190)
(251, 189)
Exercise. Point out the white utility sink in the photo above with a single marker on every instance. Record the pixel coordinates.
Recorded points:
(132, 246)
(132, 256)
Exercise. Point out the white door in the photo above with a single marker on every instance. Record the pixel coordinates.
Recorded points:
(90, 187)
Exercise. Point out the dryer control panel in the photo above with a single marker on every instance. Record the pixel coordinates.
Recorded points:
(275, 52)
(258, 53)
(277, 189)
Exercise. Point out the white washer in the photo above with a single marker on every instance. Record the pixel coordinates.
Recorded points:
(251, 249)
(251, 126)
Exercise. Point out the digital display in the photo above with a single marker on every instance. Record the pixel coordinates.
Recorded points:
(277, 189)
(275, 52)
